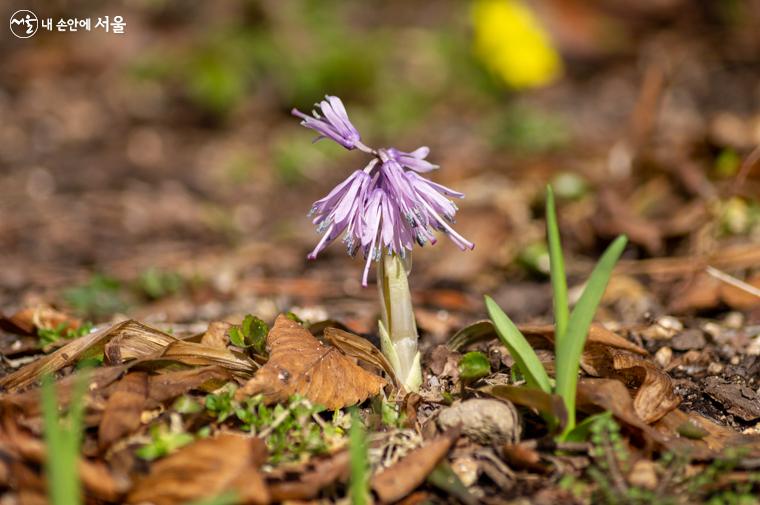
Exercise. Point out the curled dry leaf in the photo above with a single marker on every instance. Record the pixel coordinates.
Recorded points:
(402, 478)
(136, 341)
(362, 349)
(654, 388)
(167, 386)
(300, 364)
(194, 354)
(89, 345)
(31, 319)
(123, 408)
(205, 469)
(304, 481)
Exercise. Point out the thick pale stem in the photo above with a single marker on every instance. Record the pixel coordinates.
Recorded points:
(398, 330)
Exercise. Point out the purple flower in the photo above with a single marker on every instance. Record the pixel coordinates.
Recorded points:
(333, 123)
(387, 206)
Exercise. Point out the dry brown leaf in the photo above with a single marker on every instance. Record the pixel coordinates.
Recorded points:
(595, 395)
(206, 469)
(194, 354)
(654, 388)
(123, 409)
(216, 335)
(31, 319)
(28, 402)
(96, 478)
(402, 478)
(167, 386)
(597, 335)
(136, 341)
(88, 345)
(305, 481)
(361, 349)
(301, 364)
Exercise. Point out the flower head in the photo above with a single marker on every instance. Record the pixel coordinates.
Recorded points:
(387, 206)
(332, 123)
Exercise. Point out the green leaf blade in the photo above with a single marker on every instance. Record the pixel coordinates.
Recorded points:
(570, 347)
(523, 354)
(557, 268)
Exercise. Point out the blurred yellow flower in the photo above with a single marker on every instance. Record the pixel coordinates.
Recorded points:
(512, 44)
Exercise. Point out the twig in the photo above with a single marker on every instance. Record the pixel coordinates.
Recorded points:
(733, 281)
(746, 166)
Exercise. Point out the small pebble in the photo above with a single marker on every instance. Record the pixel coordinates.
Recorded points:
(663, 356)
(735, 360)
(663, 329)
(689, 339)
(753, 349)
(734, 320)
(715, 368)
(483, 420)
(466, 469)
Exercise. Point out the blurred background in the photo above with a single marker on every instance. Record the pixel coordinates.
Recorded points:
(158, 173)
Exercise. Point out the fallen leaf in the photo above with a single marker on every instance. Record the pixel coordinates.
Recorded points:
(216, 335)
(136, 341)
(205, 469)
(596, 395)
(397, 481)
(305, 481)
(30, 319)
(361, 349)
(89, 345)
(194, 354)
(300, 364)
(654, 390)
(96, 478)
(167, 386)
(123, 409)
(740, 299)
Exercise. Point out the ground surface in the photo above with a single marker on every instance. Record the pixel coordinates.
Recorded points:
(157, 176)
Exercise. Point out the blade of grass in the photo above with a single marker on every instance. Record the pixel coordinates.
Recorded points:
(62, 442)
(557, 268)
(357, 446)
(523, 354)
(569, 349)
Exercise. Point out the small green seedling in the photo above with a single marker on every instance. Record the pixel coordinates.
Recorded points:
(251, 333)
(63, 438)
(359, 461)
(163, 442)
(62, 331)
(571, 329)
(473, 366)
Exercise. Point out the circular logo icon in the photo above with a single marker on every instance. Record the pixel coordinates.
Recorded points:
(24, 24)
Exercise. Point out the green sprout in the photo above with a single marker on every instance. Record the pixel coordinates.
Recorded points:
(571, 328)
(163, 442)
(359, 461)
(474, 366)
(251, 333)
(63, 438)
(62, 331)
